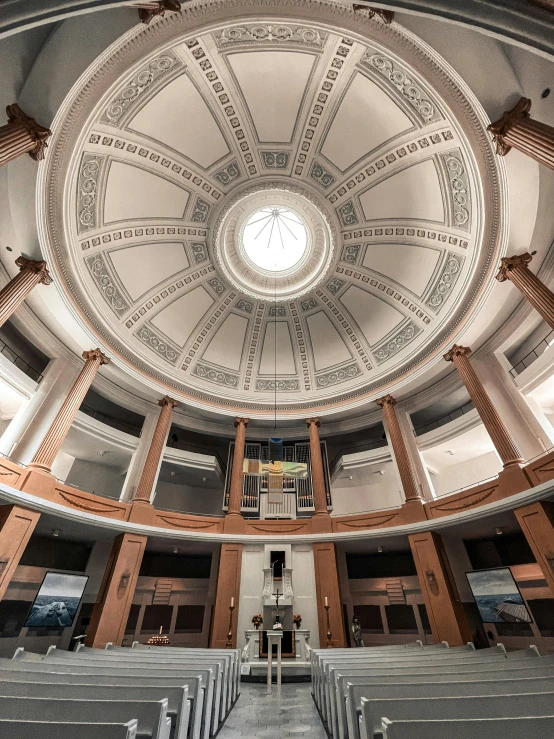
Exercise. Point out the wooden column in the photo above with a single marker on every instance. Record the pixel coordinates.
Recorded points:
(55, 436)
(155, 453)
(31, 273)
(401, 455)
(16, 526)
(111, 611)
(21, 135)
(235, 490)
(316, 465)
(327, 586)
(516, 129)
(503, 442)
(444, 607)
(537, 523)
(516, 270)
(228, 587)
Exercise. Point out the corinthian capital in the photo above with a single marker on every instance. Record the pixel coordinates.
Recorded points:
(387, 16)
(457, 351)
(93, 355)
(502, 126)
(38, 133)
(166, 400)
(36, 266)
(386, 400)
(313, 422)
(507, 264)
(239, 421)
(149, 10)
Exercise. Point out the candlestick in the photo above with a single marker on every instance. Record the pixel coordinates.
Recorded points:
(326, 602)
(329, 634)
(232, 602)
(229, 644)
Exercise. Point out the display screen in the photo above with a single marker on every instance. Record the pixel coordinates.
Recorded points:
(497, 596)
(57, 601)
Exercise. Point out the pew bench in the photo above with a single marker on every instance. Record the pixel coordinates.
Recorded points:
(491, 728)
(22, 729)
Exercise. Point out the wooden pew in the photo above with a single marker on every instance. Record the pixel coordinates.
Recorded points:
(466, 708)
(151, 715)
(492, 728)
(65, 730)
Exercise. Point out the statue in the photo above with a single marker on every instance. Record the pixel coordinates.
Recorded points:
(357, 632)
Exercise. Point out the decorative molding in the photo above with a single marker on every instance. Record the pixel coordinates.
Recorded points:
(244, 305)
(130, 233)
(459, 189)
(199, 252)
(123, 102)
(87, 202)
(459, 506)
(322, 176)
(446, 282)
(282, 385)
(217, 286)
(153, 341)
(347, 214)
(106, 284)
(398, 342)
(309, 304)
(263, 33)
(337, 376)
(216, 376)
(275, 159)
(335, 285)
(368, 522)
(421, 233)
(228, 174)
(410, 90)
(278, 311)
(184, 524)
(350, 253)
(77, 502)
(201, 211)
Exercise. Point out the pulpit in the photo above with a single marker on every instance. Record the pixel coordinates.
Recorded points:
(274, 640)
(288, 644)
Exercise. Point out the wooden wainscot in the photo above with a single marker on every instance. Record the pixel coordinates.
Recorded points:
(10, 472)
(277, 528)
(182, 522)
(90, 503)
(408, 513)
(541, 469)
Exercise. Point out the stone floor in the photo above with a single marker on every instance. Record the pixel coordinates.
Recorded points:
(288, 711)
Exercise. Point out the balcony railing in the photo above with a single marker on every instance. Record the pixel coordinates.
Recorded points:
(443, 420)
(364, 446)
(115, 423)
(19, 362)
(533, 355)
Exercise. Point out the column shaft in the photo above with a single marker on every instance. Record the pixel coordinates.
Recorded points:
(21, 135)
(407, 475)
(442, 601)
(516, 269)
(503, 442)
(55, 436)
(316, 464)
(537, 523)
(235, 490)
(32, 272)
(155, 453)
(517, 129)
(16, 526)
(111, 611)
(228, 586)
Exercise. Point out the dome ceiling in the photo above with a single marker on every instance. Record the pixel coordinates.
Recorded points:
(187, 129)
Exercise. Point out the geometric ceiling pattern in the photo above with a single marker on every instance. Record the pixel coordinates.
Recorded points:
(358, 116)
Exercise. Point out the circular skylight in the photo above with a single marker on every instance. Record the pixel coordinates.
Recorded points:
(275, 238)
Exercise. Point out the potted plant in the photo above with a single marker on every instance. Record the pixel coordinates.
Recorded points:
(297, 620)
(257, 620)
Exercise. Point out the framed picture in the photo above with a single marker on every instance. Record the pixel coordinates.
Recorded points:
(57, 600)
(498, 597)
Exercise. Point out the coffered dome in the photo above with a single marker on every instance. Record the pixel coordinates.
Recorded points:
(178, 158)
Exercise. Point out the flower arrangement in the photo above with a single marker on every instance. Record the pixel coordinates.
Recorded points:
(297, 620)
(257, 620)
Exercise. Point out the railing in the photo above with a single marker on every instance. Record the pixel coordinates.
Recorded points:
(365, 446)
(186, 447)
(110, 421)
(19, 362)
(443, 420)
(533, 355)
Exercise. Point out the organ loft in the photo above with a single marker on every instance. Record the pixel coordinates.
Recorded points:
(276, 369)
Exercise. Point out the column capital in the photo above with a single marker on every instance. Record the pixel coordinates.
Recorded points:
(386, 400)
(38, 133)
(507, 264)
(457, 351)
(166, 400)
(93, 355)
(149, 10)
(387, 16)
(501, 127)
(36, 266)
(313, 421)
(239, 420)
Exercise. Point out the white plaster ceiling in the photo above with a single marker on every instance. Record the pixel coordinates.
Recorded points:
(177, 118)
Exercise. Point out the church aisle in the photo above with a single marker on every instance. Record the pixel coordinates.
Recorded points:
(288, 712)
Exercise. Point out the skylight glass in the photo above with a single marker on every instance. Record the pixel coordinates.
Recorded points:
(275, 238)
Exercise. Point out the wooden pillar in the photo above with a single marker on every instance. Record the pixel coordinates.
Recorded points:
(55, 436)
(21, 135)
(327, 587)
(401, 454)
(516, 129)
(537, 523)
(31, 273)
(16, 526)
(444, 607)
(155, 453)
(503, 442)
(228, 588)
(316, 465)
(516, 270)
(235, 490)
(111, 611)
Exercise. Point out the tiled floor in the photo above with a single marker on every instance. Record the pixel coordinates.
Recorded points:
(288, 711)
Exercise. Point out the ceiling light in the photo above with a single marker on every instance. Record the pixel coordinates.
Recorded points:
(498, 530)
(56, 532)
(380, 550)
(451, 452)
(204, 479)
(349, 477)
(175, 550)
(172, 473)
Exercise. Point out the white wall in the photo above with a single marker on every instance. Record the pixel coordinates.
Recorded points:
(466, 473)
(367, 491)
(96, 478)
(188, 499)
